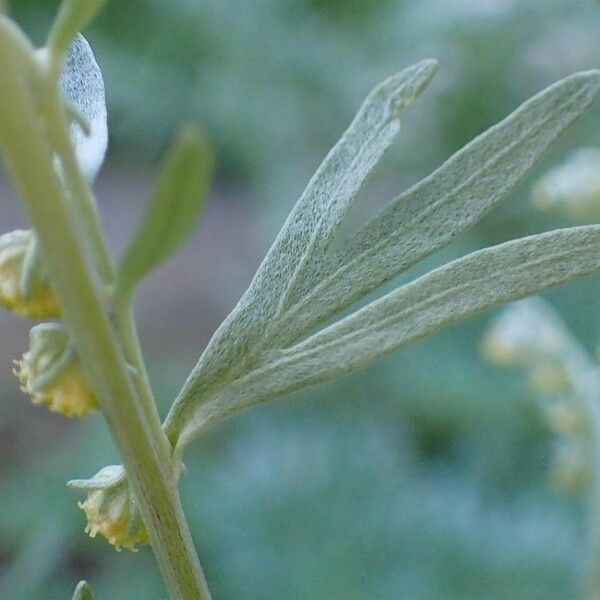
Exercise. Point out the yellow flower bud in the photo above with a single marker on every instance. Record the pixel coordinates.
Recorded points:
(51, 373)
(111, 510)
(37, 302)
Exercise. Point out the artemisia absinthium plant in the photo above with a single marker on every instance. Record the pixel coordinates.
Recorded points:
(283, 335)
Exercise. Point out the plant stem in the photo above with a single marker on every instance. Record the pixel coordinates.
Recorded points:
(29, 161)
(83, 202)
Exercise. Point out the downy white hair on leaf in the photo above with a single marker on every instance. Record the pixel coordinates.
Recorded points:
(83, 87)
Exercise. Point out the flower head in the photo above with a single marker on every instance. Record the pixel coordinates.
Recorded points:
(111, 510)
(38, 302)
(524, 333)
(51, 373)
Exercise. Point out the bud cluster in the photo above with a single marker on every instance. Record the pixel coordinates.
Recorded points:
(111, 510)
(51, 373)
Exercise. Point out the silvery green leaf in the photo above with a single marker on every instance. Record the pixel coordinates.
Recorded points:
(431, 213)
(107, 477)
(440, 298)
(83, 88)
(299, 286)
(83, 591)
(314, 220)
(173, 209)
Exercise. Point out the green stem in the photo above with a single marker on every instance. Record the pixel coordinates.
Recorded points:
(127, 331)
(29, 161)
(82, 200)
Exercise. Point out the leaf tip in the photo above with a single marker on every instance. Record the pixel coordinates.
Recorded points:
(588, 80)
(407, 85)
(428, 66)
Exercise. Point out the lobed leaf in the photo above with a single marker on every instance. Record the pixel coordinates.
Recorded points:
(171, 215)
(299, 285)
(312, 223)
(434, 211)
(440, 298)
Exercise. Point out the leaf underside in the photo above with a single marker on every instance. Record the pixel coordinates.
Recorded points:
(438, 299)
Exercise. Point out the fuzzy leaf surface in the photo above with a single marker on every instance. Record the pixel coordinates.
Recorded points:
(300, 285)
(313, 221)
(440, 298)
(434, 211)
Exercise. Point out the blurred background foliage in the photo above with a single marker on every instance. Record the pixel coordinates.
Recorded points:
(423, 477)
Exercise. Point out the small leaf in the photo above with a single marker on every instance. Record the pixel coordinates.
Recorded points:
(83, 591)
(82, 87)
(440, 298)
(173, 208)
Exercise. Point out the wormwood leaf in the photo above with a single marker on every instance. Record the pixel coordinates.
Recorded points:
(314, 220)
(252, 357)
(82, 86)
(173, 209)
(440, 298)
(430, 214)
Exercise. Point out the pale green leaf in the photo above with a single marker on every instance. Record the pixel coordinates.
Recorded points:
(173, 208)
(440, 298)
(299, 286)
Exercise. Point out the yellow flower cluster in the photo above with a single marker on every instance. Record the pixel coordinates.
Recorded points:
(111, 510)
(112, 521)
(51, 373)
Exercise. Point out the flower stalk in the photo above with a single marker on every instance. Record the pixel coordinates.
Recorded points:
(48, 199)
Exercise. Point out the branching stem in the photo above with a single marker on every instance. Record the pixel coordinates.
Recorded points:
(55, 206)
